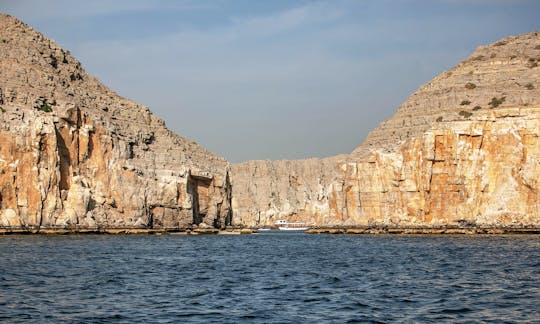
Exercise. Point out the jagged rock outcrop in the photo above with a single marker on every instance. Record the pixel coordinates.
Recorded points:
(462, 150)
(75, 154)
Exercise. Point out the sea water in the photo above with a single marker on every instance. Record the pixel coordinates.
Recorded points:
(269, 278)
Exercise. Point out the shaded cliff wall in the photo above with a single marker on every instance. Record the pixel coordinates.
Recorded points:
(266, 191)
(75, 154)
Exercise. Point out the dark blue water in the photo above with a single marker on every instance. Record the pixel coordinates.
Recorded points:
(268, 278)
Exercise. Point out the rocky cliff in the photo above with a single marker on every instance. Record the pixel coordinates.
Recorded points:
(266, 191)
(75, 154)
(462, 150)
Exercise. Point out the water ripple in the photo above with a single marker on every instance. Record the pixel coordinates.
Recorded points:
(270, 278)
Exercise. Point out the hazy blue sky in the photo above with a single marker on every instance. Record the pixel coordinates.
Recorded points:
(273, 79)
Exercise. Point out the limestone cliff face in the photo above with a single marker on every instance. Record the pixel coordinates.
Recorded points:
(266, 191)
(463, 149)
(75, 154)
(483, 171)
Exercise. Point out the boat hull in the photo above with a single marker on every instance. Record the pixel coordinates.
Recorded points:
(297, 229)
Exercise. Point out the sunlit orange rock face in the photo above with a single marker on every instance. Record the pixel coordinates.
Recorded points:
(462, 150)
(75, 154)
(482, 172)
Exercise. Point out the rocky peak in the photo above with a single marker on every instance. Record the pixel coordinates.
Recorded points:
(38, 74)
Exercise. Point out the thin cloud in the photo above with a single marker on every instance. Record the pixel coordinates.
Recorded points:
(307, 15)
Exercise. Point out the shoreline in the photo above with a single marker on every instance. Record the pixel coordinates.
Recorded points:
(126, 231)
(245, 230)
(426, 230)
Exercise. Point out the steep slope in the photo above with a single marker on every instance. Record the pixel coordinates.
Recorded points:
(463, 149)
(506, 71)
(75, 154)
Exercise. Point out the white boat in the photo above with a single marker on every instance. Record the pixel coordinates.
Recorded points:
(291, 226)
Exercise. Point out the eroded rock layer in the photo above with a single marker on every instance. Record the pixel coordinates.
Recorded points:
(462, 150)
(75, 154)
(484, 171)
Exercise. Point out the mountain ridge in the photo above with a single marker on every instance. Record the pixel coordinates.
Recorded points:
(462, 149)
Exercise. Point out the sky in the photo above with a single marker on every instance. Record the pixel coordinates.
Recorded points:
(273, 79)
